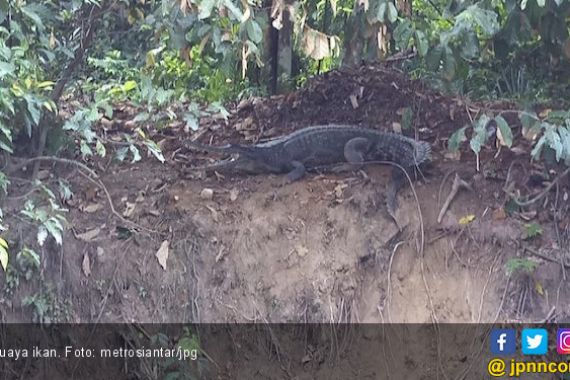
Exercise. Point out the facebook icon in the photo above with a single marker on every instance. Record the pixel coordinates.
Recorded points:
(503, 341)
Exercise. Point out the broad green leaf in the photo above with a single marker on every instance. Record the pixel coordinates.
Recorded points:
(541, 3)
(54, 230)
(7, 132)
(122, 153)
(421, 42)
(236, 12)
(403, 33)
(381, 15)
(479, 137)
(392, 12)
(129, 85)
(254, 31)
(84, 148)
(205, 9)
(470, 45)
(33, 108)
(485, 19)
(30, 12)
(100, 148)
(136, 154)
(3, 243)
(535, 153)
(553, 139)
(6, 68)
(155, 150)
(456, 139)
(433, 58)
(191, 121)
(506, 131)
(6, 147)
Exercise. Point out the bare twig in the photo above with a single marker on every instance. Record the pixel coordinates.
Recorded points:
(542, 193)
(458, 183)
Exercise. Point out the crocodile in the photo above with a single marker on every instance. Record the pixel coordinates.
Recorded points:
(315, 147)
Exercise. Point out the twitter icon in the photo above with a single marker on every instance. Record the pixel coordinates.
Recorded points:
(534, 341)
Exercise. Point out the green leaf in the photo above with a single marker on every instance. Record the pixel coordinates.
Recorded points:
(236, 12)
(33, 108)
(254, 31)
(205, 8)
(533, 230)
(480, 136)
(129, 85)
(541, 3)
(155, 150)
(136, 154)
(403, 33)
(6, 68)
(456, 139)
(191, 121)
(506, 131)
(122, 153)
(54, 229)
(100, 148)
(485, 19)
(433, 58)
(422, 43)
(535, 153)
(553, 139)
(30, 12)
(381, 15)
(85, 149)
(392, 12)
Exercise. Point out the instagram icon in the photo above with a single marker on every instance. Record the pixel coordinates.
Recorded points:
(563, 341)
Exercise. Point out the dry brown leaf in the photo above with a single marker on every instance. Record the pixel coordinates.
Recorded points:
(207, 194)
(499, 214)
(315, 44)
(42, 174)
(246, 12)
(353, 101)
(162, 254)
(234, 194)
(86, 265)
(89, 235)
(500, 138)
(92, 207)
(397, 127)
(129, 209)
(301, 250)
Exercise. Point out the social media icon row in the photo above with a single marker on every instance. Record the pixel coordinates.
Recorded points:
(533, 341)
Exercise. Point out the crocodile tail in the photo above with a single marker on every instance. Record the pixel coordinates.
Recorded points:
(228, 149)
(422, 152)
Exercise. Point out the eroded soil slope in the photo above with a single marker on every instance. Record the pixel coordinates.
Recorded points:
(322, 249)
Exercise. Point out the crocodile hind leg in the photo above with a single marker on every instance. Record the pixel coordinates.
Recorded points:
(297, 173)
(355, 149)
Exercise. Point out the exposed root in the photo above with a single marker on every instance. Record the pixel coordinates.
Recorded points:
(540, 195)
(458, 183)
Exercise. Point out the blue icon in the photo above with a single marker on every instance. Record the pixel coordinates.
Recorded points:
(503, 341)
(534, 341)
